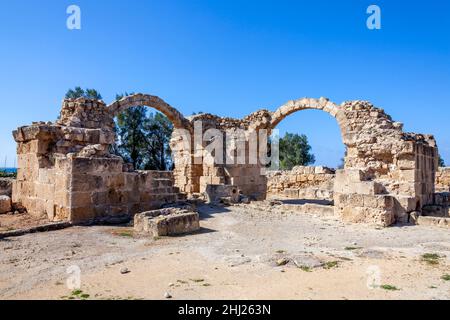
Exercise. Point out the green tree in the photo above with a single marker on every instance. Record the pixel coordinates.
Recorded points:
(159, 131)
(295, 151)
(143, 138)
(78, 92)
(131, 127)
(441, 162)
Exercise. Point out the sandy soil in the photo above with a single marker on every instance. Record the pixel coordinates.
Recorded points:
(234, 256)
(10, 222)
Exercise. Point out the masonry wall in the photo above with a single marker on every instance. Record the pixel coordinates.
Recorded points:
(443, 179)
(302, 182)
(66, 169)
(6, 186)
(100, 187)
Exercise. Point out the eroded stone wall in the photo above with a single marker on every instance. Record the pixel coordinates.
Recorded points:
(443, 179)
(302, 182)
(102, 187)
(66, 169)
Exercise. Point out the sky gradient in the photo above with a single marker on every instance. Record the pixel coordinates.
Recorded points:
(231, 58)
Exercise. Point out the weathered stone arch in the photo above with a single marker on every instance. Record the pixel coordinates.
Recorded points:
(388, 173)
(336, 111)
(66, 169)
(139, 99)
(182, 153)
(303, 104)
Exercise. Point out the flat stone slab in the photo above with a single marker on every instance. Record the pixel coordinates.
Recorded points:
(433, 221)
(166, 222)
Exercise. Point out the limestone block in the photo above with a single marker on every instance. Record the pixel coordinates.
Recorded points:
(291, 193)
(5, 204)
(6, 185)
(166, 222)
(215, 192)
(407, 203)
(81, 199)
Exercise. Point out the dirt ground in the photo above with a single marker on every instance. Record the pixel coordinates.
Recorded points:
(10, 222)
(238, 254)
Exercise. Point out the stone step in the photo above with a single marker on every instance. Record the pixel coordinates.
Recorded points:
(307, 208)
(166, 222)
(433, 221)
(310, 208)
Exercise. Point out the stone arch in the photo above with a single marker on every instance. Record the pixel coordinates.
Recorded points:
(388, 173)
(323, 104)
(181, 153)
(139, 99)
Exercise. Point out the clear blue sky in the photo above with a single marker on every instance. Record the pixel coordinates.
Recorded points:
(230, 58)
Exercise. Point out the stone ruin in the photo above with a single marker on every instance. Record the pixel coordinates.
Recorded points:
(66, 170)
(166, 222)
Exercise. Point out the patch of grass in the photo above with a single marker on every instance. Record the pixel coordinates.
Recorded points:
(206, 284)
(305, 268)
(76, 295)
(76, 292)
(330, 264)
(282, 262)
(197, 280)
(280, 251)
(446, 277)
(431, 258)
(352, 248)
(182, 281)
(389, 287)
(123, 233)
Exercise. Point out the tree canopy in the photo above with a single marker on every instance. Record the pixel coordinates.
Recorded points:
(78, 92)
(295, 151)
(441, 162)
(143, 138)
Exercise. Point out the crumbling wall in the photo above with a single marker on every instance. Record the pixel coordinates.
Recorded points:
(66, 170)
(388, 173)
(302, 182)
(6, 186)
(233, 166)
(443, 179)
(101, 187)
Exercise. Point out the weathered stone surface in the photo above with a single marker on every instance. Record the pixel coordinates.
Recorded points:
(5, 204)
(166, 222)
(443, 179)
(314, 183)
(433, 221)
(216, 192)
(66, 171)
(6, 186)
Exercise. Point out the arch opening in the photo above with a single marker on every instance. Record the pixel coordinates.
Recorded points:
(307, 177)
